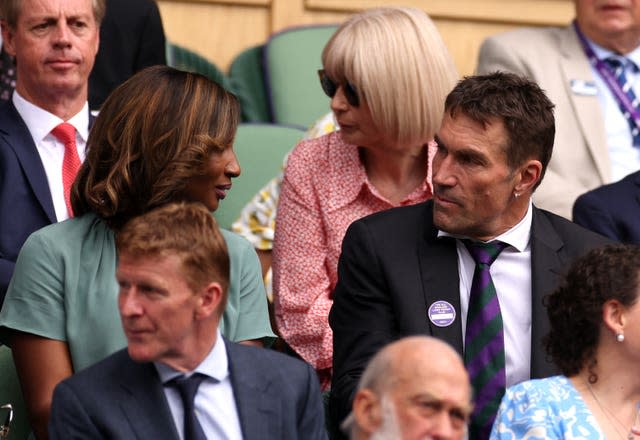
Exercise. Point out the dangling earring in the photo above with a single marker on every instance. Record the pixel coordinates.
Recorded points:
(619, 337)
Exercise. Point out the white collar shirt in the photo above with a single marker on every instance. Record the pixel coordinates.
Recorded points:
(511, 275)
(215, 403)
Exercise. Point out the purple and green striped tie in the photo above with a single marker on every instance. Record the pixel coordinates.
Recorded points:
(484, 340)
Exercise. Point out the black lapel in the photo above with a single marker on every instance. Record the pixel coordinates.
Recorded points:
(438, 261)
(546, 269)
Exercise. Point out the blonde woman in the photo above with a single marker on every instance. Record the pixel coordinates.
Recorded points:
(387, 72)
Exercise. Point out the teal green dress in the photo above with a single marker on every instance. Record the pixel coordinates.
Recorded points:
(64, 288)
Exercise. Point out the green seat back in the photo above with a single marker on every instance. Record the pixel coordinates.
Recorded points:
(184, 59)
(246, 77)
(292, 60)
(10, 393)
(260, 149)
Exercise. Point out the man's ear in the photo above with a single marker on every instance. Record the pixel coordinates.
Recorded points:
(7, 38)
(529, 175)
(209, 299)
(367, 411)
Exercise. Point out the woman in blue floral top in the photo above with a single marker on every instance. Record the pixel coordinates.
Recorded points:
(594, 339)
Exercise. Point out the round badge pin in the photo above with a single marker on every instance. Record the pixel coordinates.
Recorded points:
(441, 313)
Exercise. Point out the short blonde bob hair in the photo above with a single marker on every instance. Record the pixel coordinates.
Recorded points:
(397, 60)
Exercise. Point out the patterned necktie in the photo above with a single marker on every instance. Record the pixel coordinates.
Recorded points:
(66, 133)
(618, 65)
(188, 387)
(484, 340)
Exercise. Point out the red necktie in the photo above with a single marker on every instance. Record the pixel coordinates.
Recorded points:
(66, 133)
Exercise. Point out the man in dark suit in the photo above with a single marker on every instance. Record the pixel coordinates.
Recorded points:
(131, 38)
(408, 271)
(54, 44)
(612, 210)
(172, 296)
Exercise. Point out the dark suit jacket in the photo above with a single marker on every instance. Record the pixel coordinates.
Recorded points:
(131, 38)
(393, 267)
(25, 200)
(277, 397)
(612, 210)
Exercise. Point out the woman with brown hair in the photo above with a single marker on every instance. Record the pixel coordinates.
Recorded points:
(594, 339)
(162, 136)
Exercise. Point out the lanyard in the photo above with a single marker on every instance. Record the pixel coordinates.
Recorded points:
(609, 78)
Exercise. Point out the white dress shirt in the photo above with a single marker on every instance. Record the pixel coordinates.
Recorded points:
(624, 157)
(215, 404)
(40, 123)
(511, 275)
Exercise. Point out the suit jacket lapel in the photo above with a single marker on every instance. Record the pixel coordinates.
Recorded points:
(636, 180)
(256, 411)
(438, 261)
(575, 66)
(546, 269)
(144, 404)
(17, 136)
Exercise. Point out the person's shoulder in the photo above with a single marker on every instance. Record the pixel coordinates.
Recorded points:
(104, 373)
(612, 193)
(536, 390)
(272, 364)
(237, 245)
(8, 117)
(69, 230)
(572, 233)
(528, 36)
(314, 149)
(417, 214)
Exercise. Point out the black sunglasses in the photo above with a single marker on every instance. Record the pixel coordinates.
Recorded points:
(329, 87)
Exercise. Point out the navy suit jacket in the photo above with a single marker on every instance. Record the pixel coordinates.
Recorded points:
(393, 267)
(25, 199)
(612, 210)
(277, 397)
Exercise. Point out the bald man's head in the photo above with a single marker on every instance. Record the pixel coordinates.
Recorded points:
(414, 388)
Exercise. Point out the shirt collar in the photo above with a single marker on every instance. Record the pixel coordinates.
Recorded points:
(347, 157)
(40, 122)
(215, 365)
(517, 237)
(603, 53)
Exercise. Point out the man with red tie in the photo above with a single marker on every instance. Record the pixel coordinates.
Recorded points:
(45, 125)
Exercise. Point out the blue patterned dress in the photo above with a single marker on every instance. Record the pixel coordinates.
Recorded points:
(544, 409)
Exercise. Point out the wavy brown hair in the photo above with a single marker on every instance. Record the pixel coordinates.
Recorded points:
(154, 133)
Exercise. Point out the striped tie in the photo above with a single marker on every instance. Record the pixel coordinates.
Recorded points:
(619, 65)
(484, 340)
